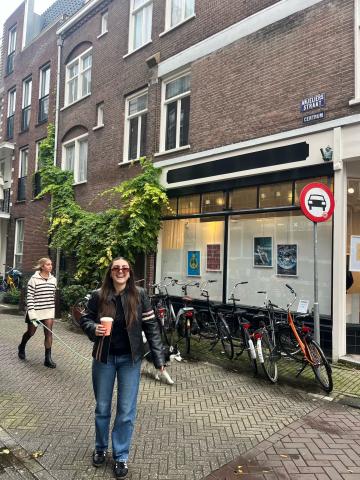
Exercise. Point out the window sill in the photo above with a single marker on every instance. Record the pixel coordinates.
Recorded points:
(177, 25)
(173, 150)
(354, 101)
(41, 123)
(73, 103)
(98, 127)
(128, 162)
(137, 49)
(79, 183)
(102, 34)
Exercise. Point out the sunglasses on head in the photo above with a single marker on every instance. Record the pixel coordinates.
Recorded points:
(117, 269)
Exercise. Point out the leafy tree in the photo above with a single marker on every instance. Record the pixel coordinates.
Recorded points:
(98, 237)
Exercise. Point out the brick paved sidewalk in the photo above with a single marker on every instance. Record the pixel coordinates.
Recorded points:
(210, 417)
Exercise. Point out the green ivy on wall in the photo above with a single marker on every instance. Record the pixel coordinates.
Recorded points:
(129, 229)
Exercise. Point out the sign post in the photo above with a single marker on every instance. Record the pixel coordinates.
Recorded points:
(317, 204)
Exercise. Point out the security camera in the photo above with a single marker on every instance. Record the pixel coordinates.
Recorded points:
(327, 154)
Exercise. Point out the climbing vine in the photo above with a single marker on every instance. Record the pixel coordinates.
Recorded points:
(129, 228)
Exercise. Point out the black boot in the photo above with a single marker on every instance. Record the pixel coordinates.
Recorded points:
(48, 360)
(21, 347)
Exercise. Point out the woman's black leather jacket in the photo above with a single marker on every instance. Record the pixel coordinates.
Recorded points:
(145, 321)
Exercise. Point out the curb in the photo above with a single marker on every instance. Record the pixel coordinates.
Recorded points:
(15, 457)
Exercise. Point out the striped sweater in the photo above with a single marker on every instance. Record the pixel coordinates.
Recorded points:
(41, 297)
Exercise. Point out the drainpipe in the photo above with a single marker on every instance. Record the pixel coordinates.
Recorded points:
(60, 42)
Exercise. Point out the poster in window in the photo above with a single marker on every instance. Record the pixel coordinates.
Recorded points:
(355, 253)
(213, 257)
(263, 252)
(193, 263)
(286, 259)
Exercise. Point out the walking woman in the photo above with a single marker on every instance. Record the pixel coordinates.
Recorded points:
(119, 356)
(41, 290)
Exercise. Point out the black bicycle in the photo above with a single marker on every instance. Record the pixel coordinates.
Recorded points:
(212, 324)
(163, 308)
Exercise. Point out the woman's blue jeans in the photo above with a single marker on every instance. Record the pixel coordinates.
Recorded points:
(128, 377)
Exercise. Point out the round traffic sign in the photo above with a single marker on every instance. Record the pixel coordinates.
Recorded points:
(317, 202)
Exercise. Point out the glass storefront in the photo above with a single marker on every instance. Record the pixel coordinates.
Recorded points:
(255, 234)
(352, 278)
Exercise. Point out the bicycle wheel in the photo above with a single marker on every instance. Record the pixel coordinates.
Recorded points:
(321, 366)
(269, 364)
(184, 332)
(76, 311)
(246, 340)
(206, 325)
(288, 343)
(225, 337)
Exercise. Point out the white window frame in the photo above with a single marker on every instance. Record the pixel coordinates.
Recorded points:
(19, 243)
(11, 95)
(168, 25)
(12, 40)
(37, 153)
(127, 124)
(356, 99)
(23, 152)
(76, 141)
(164, 104)
(104, 23)
(44, 90)
(133, 13)
(100, 115)
(79, 76)
(27, 91)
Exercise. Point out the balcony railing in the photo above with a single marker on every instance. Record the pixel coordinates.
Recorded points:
(25, 118)
(5, 203)
(10, 127)
(21, 189)
(10, 63)
(43, 109)
(37, 184)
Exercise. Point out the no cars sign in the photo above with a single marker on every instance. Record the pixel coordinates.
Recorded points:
(317, 202)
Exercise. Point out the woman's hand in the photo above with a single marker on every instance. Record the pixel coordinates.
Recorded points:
(100, 330)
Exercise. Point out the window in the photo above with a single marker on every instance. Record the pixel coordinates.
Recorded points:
(275, 195)
(243, 198)
(189, 205)
(140, 23)
(11, 50)
(78, 78)
(11, 114)
(176, 113)
(178, 11)
(212, 202)
(100, 114)
(75, 158)
(37, 176)
(135, 126)
(23, 170)
(44, 90)
(26, 104)
(19, 242)
(104, 23)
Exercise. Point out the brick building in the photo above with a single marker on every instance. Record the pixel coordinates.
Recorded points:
(241, 104)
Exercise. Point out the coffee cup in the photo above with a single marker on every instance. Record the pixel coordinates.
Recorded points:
(107, 323)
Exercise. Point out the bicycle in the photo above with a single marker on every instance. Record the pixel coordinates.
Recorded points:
(212, 324)
(12, 280)
(185, 323)
(295, 341)
(239, 322)
(163, 308)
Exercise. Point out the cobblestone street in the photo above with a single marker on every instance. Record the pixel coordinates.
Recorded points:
(214, 423)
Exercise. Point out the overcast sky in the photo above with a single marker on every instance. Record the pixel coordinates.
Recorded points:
(8, 7)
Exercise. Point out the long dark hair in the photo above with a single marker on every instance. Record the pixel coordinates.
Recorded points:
(107, 307)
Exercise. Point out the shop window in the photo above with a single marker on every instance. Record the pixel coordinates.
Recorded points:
(275, 195)
(243, 198)
(194, 249)
(212, 202)
(289, 235)
(300, 184)
(189, 204)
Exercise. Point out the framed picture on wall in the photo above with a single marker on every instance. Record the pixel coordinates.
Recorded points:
(213, 257)
(355, 253)
(263, 252)
(193, 263)
(286, 259)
